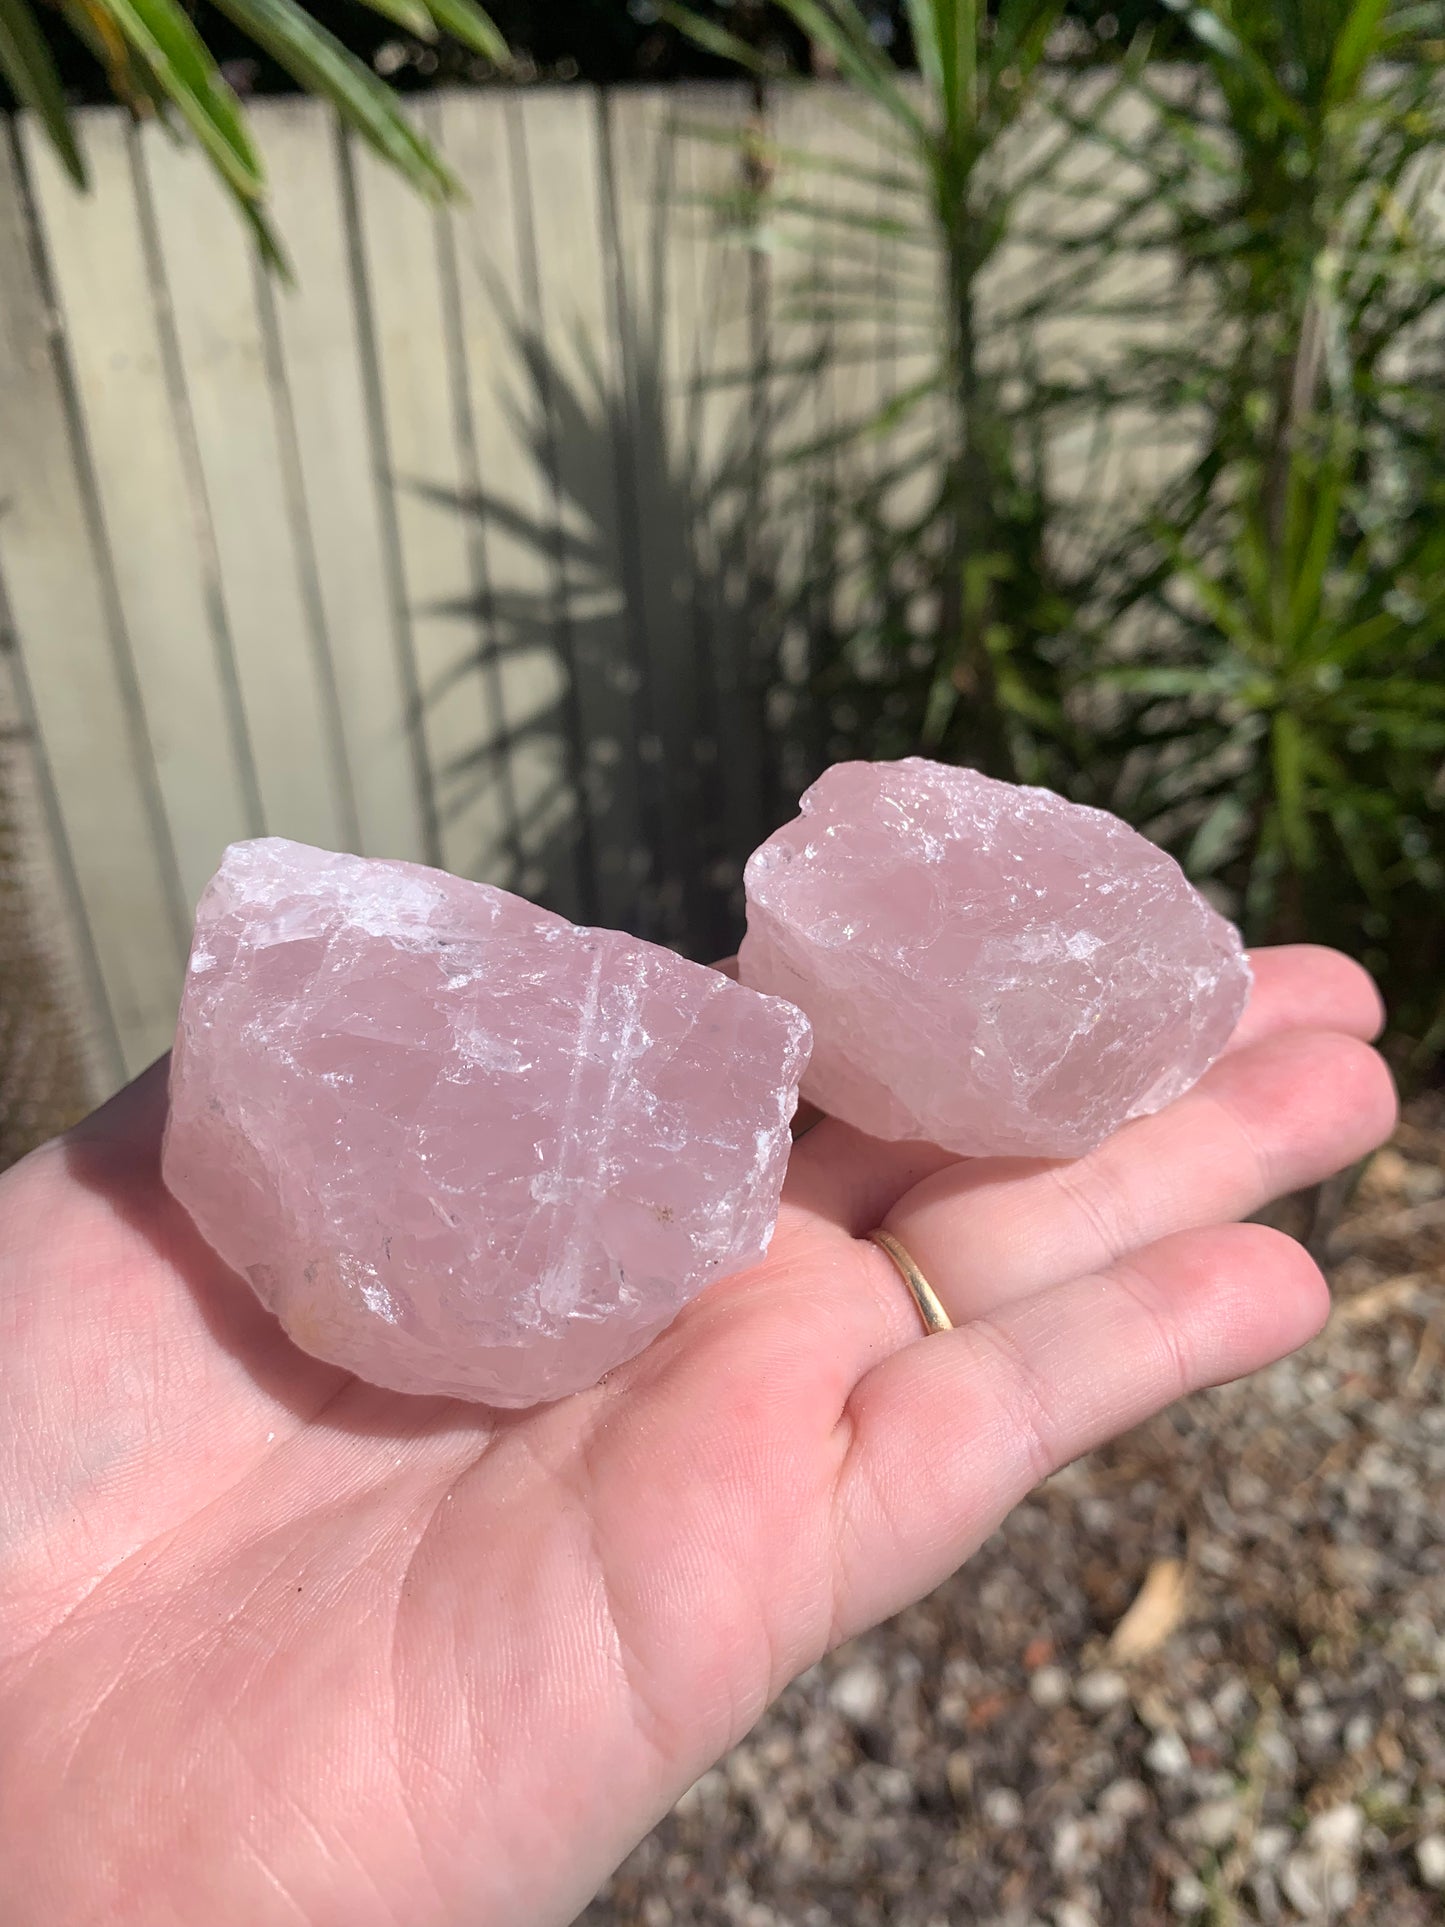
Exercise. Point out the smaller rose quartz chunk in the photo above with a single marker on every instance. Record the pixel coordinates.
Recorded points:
(986, 967)
(456, 1143)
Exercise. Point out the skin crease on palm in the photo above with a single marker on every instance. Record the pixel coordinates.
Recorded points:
(278, 1647)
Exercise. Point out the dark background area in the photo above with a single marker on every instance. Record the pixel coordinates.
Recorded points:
(582, 40)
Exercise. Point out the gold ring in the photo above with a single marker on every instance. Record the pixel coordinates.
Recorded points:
(935, 1318)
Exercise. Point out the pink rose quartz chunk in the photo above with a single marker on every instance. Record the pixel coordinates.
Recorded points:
(986, 967)
(456, 1143)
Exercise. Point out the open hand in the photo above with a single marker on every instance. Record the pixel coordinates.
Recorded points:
(279, 1647)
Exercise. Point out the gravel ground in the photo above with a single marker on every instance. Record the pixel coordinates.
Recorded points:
(1199, 1676)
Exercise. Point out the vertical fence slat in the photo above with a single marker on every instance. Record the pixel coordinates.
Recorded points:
(654, 317)
(715, 304)
(206, 258)
(340, 473)
(581, 387)
(77, 675)
(515, 525)
(801, 409)
(35, 855)
(399, 238)
(102, 280)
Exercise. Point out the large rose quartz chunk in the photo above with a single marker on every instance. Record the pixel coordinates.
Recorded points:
(986, 967)
(456, 1143)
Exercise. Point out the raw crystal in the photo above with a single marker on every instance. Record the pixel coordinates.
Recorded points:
(456, 1143)
(987, 967)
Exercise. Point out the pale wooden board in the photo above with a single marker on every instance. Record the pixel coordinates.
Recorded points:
(426, 472)
(516, 530)
(77, 675)
(878, 349)
(210, 286)
(341, 475)
(49, 898)
(565, 248)
(802, 399)
(715, 321)
(151, 518)
(655, 321)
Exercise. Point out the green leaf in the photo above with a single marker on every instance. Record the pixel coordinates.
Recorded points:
(713, 38)
(1208, 29)
(923, 24)
(1220, 681)
(841, 30)
(410, 14)
(1219, 836)
(1358, 45)
(1021, 38)
(170, 47)
(131, 81)
(1288, 759)
(466, 22)
(1213, 32)
(323, 66)
(26, 63)
(956, 29)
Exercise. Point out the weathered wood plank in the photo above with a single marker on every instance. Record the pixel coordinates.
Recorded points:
(720, 320)
(342, 484)
(424, 465)
(79, 678)
(581, 387)
(801, 404)
(186, 675)
(514, 525)
(654, 318)
(42, 916)
(210, 287)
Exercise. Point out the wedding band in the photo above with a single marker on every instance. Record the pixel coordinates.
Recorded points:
(935, 1318)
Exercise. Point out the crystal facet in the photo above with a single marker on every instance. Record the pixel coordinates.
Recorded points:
(987, 967)
(456, 1143)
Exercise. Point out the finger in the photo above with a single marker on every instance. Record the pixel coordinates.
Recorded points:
(854, 1180)
(1303, 986)
(946, 1435)
(1265, 1121)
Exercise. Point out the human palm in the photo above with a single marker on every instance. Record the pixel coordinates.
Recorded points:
(279, 1647)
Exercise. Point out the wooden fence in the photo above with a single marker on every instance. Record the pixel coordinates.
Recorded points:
(461, 549)
(421, 557)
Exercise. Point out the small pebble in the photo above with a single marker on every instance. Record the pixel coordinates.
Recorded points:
(1318, 1888)
(1167, 1755)
(710, 1790)
(1214, 1821)
(1049, 1686)
(1358, 1733)
(1320, 1727)
(858, 1693)
(1430, 1859)
(893, 1785)
(1125, 1800)
(1188, 1895)
(1002, 1807)
(1271, 1844)
(1199, 1721)
(1070, 1847)
(1230, 1701)
(1319, 1878)
(1421, 1686)
(1337, 1830)
(1098, 1692)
